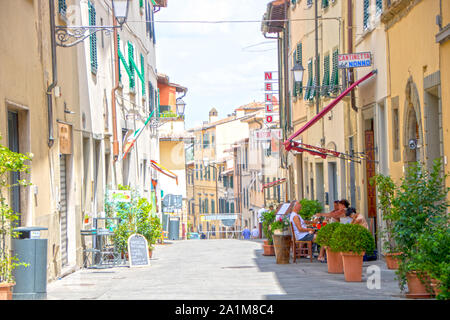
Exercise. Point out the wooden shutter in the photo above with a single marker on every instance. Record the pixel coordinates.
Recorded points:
(326, 75)
(93, 39)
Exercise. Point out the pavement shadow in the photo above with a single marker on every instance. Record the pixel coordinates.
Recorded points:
(306, 280)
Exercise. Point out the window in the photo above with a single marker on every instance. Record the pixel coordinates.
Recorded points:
(213, 206)
(326, 76)
(62, 7)
(205, 140)
(201, 172)
(366, 14)
(143, 74)
(316, 78)
(379, 7)
(118, 48)
(131, 66)
(151, 98)
(231, 181)
(334, 81)
(93, 39)
(196, 171)
(298, 86)
(232, 207)
(310, 81)
(200, 205)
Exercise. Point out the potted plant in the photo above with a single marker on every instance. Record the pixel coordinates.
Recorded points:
(420, 206)
(9, 162)
(267, 218)
(386, 192)
(352, 240)
(309, 208)
(334, 258)
(281, 239)
(433, 258)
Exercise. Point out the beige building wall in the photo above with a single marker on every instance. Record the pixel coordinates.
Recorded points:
(26, 73)
(311, 176)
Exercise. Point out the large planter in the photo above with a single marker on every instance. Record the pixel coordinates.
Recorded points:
(150, 251)
(334, 262)
(6, 290)
(282, 244)
(352, 263)
(392, 260)
(268, 250)
(435, 285)
(417, 289)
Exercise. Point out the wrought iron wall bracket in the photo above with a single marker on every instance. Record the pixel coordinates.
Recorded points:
(71, 36)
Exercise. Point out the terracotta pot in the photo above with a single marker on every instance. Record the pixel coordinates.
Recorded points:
(352, 263)
(150, 253)
(268, 250)
(282, 244)
(6, 290)
(334, 262)
(266, 242)
(392, 260)
(435, 285)
(416, 289)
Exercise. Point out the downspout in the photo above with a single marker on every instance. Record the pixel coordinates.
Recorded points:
(350, 50)
(51, 139)
(113, 94)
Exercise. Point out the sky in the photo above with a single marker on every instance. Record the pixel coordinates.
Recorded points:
(222, 65)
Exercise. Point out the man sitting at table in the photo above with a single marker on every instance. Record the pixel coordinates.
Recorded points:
(302, 232)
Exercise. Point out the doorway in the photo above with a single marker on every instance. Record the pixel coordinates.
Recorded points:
(13, 144)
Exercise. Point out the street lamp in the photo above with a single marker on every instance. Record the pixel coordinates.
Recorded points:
(120, 10)
(298, 71)
(69, 36)
(181, 105)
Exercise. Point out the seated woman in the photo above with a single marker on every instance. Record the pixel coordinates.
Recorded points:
(339, 211)
(302, 232)
(356, 217)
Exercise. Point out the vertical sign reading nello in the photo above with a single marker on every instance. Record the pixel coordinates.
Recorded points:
(269, 82)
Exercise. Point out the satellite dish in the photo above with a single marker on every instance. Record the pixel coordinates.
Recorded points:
(412, 144)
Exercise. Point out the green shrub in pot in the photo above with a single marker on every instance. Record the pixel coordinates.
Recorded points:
(352, 238)
(268, 218)
(309, 208)
(325, 233)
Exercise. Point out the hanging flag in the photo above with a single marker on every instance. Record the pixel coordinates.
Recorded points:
(163, 170)
(132, 139)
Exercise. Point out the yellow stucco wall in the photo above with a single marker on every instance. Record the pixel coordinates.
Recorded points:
(412, 54)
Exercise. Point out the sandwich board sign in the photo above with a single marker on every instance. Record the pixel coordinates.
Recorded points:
(138, 251)
(283, 209)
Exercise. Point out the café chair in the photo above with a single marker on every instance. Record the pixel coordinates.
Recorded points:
(300, 248)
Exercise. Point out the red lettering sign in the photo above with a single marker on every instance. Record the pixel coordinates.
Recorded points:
(268, 97)
(269, 108)
(268, 86)
(269, 118)
(268, 75)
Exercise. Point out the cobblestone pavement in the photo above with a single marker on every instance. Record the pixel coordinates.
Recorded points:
(219, 270)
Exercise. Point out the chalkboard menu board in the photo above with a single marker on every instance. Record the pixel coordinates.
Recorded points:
(138, 251)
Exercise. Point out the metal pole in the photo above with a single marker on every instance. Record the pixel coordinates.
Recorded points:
(316, 32)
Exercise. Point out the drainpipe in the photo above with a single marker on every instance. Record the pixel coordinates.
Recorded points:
(51, 139)
(350, 50)
(113, 94)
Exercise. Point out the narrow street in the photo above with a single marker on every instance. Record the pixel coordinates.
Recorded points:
(219, 270)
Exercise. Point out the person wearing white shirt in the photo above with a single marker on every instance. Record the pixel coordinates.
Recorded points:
(302, 232)
(255, 233)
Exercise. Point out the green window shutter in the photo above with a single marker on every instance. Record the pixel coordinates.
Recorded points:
(316, 78)
(151, 98)
(93, 39)
(294, 83)
(379, 6)
(118, 47)
(326, 75)
(299, 60)
(325, 3)
(130, 57)
(213, 206)
(335, 73)
(62, 7)
(141, 3)
(143, 74)
(366, 14)
(310, 81)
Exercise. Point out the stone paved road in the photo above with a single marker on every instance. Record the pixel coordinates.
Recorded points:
(218, 269)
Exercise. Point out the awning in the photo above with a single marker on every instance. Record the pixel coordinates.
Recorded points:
(316, 151)
(273, 184)
(164, 171)
(288, 145)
